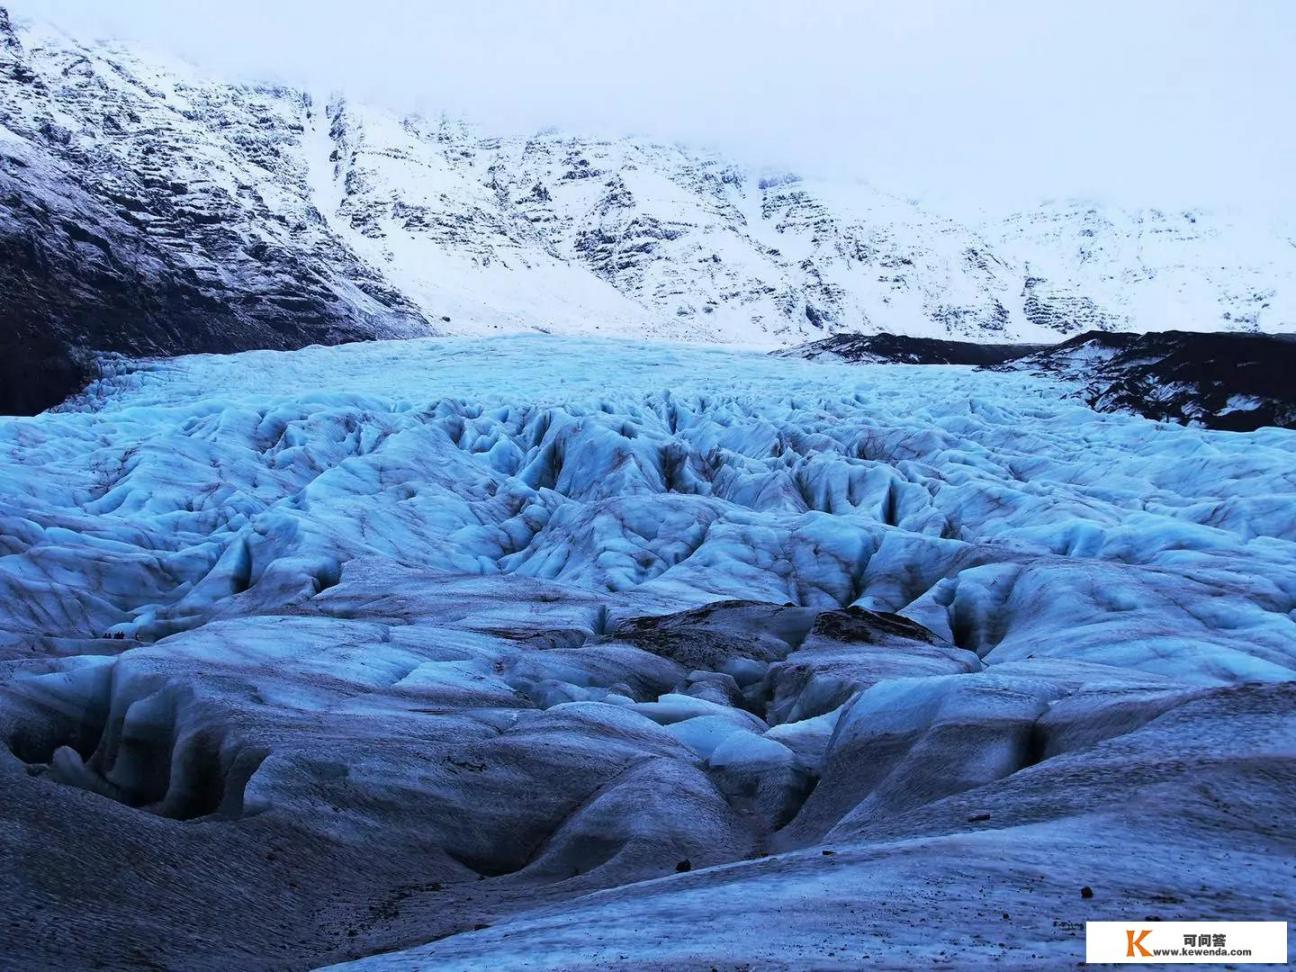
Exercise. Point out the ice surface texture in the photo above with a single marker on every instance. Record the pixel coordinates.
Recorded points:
(308, 656)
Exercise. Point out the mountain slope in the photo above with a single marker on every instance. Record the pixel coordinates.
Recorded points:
(622, 236)
(146, 213)
(1088, 267)
(150, 210)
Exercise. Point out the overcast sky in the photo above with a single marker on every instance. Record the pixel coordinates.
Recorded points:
(965, 104)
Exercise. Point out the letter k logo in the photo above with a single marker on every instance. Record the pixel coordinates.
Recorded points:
(1134, 943)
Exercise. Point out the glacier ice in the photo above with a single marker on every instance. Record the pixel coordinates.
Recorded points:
(409, 638)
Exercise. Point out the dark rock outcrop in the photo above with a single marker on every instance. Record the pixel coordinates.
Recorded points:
(1238, 382)
(902, 349)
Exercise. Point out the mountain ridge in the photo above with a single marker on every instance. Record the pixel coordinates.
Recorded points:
(151, 210)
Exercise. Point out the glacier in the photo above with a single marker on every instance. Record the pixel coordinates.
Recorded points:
(565, 652)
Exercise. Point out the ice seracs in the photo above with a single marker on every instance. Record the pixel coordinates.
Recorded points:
(425, 641)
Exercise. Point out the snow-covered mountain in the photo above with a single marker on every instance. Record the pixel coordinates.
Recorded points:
(147, 212)
(150, 209)
(1089, 267)
(489, 649)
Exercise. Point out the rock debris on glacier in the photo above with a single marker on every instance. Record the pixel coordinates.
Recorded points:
(1239, 382)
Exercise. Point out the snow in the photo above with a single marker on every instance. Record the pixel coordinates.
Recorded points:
(535, 617)
(403, 225)
(1155, 270)
(1241, 403)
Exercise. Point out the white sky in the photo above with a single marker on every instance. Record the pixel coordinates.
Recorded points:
(965, 104)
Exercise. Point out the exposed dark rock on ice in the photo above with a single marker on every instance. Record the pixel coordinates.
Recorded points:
(903, 349)
(1224, 381)
(1238, 382)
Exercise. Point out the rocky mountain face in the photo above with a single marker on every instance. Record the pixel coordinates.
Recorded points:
(621, 236)
(146, 213)
(149, 210)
